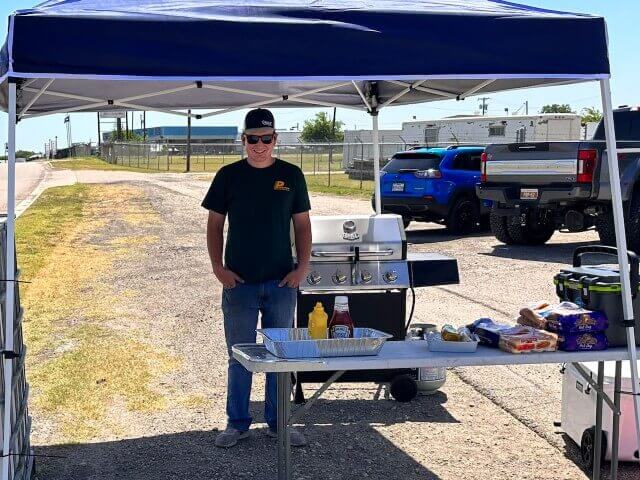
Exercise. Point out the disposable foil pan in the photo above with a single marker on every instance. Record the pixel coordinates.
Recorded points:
(295, 343)
(437, 344)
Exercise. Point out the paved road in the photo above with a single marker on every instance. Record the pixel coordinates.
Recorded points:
(28, 177)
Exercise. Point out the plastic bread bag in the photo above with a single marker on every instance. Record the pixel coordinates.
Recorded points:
(522, 339)
(568, 317)
(531, 315)
(488, 331)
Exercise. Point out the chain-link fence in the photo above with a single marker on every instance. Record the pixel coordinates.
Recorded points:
(330, 164)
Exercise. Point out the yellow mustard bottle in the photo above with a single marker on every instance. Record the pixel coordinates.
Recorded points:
(318, 322)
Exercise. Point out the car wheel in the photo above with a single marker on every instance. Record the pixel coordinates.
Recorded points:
(536, 232)
(587, 448)
(464, 217)
(605, 228)
(403, 388)
(498, 226)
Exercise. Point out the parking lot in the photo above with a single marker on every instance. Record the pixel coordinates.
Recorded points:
(491, 419)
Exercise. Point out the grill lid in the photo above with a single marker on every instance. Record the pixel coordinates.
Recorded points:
(378, 237)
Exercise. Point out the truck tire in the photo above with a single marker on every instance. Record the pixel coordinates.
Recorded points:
(464, 217)
(534, 233)
(498, 225)
(605, 228)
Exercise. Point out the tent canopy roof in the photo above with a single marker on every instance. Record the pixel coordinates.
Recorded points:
(99, 52)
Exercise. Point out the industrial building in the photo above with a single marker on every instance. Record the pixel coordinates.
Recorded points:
(178, 134)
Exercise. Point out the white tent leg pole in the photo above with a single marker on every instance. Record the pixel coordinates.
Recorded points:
(10, 285)
(621, 243)
(376, 163)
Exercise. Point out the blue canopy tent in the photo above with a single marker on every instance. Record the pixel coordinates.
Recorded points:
(170, 56)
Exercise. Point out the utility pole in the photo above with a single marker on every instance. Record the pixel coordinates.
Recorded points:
(144, 125)
(126, 124)
(484, 105)
(526, 107)
(189, 141)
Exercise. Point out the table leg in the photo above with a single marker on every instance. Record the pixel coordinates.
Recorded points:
(284, 447)
(597, 444)
(615, 435)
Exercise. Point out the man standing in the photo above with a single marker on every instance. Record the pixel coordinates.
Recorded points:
(261, 195)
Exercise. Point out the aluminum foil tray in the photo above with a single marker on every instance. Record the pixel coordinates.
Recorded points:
(295, 343)
(436, 344)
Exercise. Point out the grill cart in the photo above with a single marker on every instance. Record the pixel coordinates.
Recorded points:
(365, 258)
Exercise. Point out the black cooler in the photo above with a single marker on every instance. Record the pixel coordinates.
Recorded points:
(598, 288)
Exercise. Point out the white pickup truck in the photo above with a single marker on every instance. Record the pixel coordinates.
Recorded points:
(535, 189)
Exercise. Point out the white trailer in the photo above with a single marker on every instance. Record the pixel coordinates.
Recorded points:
(477, 130)
(483, 130)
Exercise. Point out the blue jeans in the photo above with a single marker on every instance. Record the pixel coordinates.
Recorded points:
(240, 307)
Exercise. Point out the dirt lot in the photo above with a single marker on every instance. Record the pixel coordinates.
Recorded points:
(485, 423)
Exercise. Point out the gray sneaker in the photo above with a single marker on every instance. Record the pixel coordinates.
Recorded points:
(296, 437)
(230, 437)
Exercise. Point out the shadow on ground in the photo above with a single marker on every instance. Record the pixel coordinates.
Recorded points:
(343, 444)
(435, 235)
(548, 253)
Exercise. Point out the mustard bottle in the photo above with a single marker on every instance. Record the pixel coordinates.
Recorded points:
(318, 322)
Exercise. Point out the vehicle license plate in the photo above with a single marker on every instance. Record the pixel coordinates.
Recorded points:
(528, 194)
(397, 187)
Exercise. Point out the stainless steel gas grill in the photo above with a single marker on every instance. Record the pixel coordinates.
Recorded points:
(365, 258)
(357, 253)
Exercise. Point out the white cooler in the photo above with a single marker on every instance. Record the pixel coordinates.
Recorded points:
(579, 408)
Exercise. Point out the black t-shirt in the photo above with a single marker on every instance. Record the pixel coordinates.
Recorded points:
(259, 203)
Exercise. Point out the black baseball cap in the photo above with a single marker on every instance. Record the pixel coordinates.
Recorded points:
(259, 118)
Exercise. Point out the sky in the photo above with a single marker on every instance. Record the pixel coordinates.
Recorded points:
(621, 16)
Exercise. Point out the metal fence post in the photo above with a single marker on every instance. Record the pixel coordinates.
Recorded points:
(330, 157)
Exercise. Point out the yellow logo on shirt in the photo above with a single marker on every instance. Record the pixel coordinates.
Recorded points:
(280, 185)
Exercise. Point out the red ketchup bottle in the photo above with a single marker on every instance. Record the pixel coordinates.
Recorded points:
(341, 325)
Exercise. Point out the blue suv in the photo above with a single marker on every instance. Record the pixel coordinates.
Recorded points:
(435, 185)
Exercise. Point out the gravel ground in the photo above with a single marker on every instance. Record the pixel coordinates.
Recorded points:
(490, 422)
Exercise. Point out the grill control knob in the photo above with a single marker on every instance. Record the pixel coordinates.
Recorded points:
(314, 278)
(390, 276)
(339, 277)
(366, 277)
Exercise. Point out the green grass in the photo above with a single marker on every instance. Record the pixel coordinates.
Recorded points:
(81, 361)
(40, 228)
(340, 184)
(92, 163)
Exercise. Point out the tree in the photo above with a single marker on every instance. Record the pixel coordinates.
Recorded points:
(125, 136)
(557, 108)
(24, 153)
(591, 114)
(318, 129)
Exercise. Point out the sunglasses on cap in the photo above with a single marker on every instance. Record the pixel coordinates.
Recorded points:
(253, 139)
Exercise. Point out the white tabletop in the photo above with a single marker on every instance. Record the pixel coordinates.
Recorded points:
(412, 354)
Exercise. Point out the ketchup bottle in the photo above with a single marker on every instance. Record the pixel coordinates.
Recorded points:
(341, 325)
